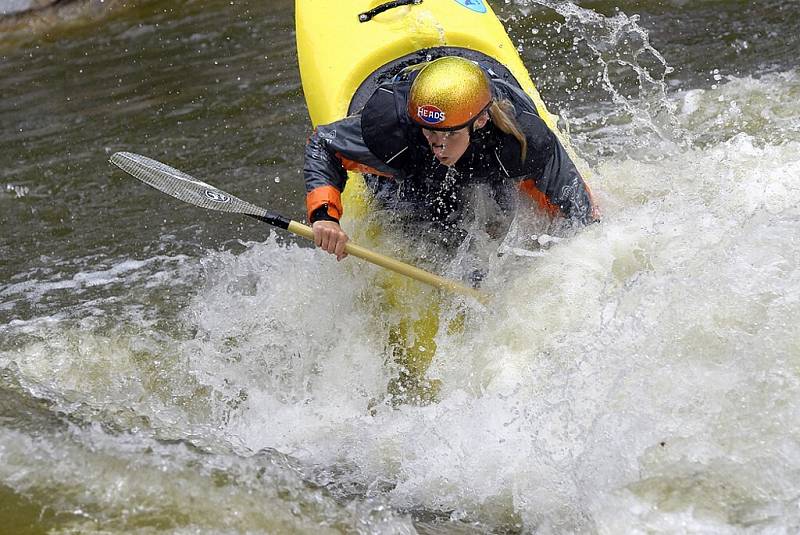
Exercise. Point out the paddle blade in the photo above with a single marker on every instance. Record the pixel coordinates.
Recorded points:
(182, 186)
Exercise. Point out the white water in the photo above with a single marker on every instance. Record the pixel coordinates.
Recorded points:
(643, 375)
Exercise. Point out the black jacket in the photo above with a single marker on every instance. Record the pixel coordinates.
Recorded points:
(400, 168)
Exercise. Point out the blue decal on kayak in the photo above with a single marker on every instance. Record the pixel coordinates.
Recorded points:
(475, 5)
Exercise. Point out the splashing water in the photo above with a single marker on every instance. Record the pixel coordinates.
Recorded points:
(641, 375)
(632, 72)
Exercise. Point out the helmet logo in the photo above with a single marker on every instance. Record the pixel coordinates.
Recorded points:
(430, 114)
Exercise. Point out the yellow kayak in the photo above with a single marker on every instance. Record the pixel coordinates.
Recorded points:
(345, 48)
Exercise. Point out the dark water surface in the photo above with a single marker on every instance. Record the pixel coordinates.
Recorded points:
(164, 369)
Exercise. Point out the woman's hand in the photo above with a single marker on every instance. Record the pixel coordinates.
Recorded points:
(329, 236)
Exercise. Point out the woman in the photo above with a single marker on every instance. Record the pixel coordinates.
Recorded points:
(426, 136)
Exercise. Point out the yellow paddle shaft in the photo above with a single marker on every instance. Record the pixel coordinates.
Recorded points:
(396, 265)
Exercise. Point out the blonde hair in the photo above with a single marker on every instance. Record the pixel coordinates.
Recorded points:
(502, 113)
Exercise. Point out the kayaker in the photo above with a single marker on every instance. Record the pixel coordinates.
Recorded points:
(427, 135)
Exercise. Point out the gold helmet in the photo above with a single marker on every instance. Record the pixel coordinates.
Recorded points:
(449, 93)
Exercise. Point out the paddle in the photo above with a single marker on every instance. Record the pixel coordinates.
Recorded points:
(190, 190)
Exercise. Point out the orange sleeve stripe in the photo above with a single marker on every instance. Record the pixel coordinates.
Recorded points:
(352, 165)
(325, 195)
(529, 188)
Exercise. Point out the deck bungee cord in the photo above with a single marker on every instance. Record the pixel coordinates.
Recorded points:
(368, 15)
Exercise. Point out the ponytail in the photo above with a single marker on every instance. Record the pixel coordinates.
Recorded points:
(502, 114)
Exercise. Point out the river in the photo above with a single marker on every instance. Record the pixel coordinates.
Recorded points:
(164, 369)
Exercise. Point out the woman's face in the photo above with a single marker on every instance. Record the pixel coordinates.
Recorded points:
(448, 147)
